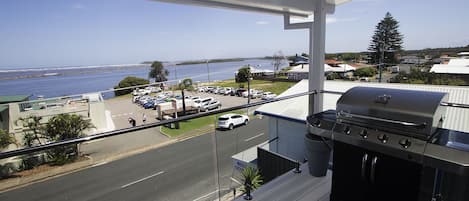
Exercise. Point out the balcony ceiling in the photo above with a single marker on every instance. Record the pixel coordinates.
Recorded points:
(301, 8)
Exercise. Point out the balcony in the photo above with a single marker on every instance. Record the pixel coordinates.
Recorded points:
(184, 156)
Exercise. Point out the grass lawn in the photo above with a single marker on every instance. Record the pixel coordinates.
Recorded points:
(194, 124)
(274, 87)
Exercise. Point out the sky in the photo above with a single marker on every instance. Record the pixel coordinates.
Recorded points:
(90, 32)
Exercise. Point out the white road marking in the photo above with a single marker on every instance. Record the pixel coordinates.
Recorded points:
(98, 164)
(236, 181)
(253, 137)
(142, 179)
(208, 194)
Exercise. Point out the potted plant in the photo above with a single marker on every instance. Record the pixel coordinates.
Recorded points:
(251, 181)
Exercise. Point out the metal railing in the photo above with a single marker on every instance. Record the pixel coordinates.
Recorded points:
(37, 148)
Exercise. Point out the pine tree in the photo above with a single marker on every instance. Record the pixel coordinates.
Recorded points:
(386, 38)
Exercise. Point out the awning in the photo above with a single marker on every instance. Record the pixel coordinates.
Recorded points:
(300, 8)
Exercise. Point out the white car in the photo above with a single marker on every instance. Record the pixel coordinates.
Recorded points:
(214, 104)
(256, 94)
(141, 92)
(227, 91)
(245, 94)
(268, 95)
(229, 121)
(201, 102)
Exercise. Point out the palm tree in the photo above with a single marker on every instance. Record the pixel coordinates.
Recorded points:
(251, 180)
(62, 127)
(186, 84)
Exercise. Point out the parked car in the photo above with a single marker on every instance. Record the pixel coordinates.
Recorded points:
(227, 91)
(157, 102)
(153, 89)
(245, 94)
(364, 79)
(202, 89)
(141, 92)
(195, 98)
(239, 92)
(149, 104)
(229, 121)
(143, 99)
(200, 102)
(268, 95)
(216, 90)
(256, 94)
(214, 104)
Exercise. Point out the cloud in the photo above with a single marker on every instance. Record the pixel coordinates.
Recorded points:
(78, 6)
(262, 22)
(329, 20)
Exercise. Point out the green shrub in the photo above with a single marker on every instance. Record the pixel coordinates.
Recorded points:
(365, 72)
(129, 82)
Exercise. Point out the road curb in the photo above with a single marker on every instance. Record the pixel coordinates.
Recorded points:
(13, 183)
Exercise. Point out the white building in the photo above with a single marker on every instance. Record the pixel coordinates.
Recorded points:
(455, 66)
(300, 72)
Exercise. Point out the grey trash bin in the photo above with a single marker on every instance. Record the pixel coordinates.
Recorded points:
(318, 153)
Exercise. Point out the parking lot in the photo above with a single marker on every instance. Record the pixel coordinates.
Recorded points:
(122, 107)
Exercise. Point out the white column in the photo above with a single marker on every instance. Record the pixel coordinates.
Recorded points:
(316, 51)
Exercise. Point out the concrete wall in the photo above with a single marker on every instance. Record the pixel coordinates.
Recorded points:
(98, 116)
(290, 135)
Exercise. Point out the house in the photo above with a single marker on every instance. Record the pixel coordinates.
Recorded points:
(300, 72)
(456, 67)
(4, 109)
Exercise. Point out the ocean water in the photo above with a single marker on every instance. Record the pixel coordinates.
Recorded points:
(54, 82)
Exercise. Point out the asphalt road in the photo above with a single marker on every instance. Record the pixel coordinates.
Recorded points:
(181, 171)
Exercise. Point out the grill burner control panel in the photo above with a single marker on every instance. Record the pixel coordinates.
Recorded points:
(408, 148)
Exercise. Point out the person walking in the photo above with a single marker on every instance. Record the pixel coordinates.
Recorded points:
(132, 121)
(144, 118)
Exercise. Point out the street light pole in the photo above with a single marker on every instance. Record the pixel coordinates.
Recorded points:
(249, 94)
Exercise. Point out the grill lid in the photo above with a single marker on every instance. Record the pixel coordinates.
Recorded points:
(408, 112)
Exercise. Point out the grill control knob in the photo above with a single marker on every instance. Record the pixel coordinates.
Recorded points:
(364, 133)
(316, 123)
(347, 130)
(383, 138)
(405, 143)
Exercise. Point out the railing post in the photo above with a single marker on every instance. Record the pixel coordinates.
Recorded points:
(297, 168)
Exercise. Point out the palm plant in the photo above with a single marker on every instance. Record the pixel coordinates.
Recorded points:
(251, 180)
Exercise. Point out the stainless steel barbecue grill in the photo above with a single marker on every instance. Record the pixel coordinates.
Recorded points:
(389, 145)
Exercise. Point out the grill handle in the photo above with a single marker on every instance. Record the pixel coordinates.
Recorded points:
(403, 123)
(373, 169)
(364, 160)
